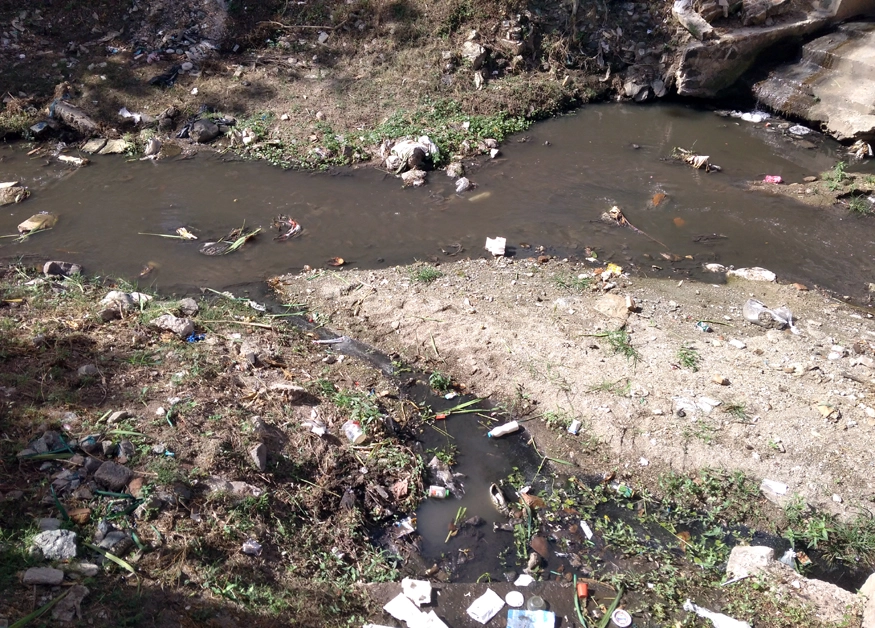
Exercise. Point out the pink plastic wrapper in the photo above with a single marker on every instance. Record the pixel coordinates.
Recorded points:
(773, 178)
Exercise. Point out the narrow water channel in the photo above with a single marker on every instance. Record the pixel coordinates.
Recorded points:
(548, 188)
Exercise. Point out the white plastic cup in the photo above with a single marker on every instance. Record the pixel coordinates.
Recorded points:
(354, 432)
(501, 430)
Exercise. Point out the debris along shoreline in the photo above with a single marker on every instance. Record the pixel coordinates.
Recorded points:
(203, 448)
(312, 88)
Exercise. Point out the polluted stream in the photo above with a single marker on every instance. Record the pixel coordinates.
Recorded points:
(548, 189)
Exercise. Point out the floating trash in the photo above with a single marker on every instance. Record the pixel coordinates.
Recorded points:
(288, 228)
(231, 242)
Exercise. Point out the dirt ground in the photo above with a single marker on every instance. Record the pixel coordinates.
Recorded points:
(792, 407)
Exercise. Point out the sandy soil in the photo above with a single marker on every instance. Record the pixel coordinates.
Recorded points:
(794, 408)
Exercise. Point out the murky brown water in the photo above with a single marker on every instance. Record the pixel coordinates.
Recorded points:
(549, 195)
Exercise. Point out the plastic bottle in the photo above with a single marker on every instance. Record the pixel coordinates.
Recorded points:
(354, 433)
(439, 492)
(536, 603)
(501, 430)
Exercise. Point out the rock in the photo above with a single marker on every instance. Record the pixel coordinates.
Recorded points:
(125, 451)
(182, 327)
(108, 448)
(118, 415)
(49, 523)
(43, 575)
(187, 66)
(117, 542)
(685, 15)
(188, 307)
(831, 86)
(88, 370)
(93, 146)
(56, 544)
(89, 570)
(203, 131)
(748, 560)
(113, 476)
(61, 269)
(259, 456)
(415, 177)
(153, 146)
(124, 301)
(612, 306)
(456, 170)
(753, 274)
(11, 192)
(756, 12)
(114, 147)
(462, 185)
(68, 607)
(474, 53)
(235, 489)
(73, 116)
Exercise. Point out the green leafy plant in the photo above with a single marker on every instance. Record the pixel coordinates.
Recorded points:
(440, 382)
(425, 274)
(689, 358)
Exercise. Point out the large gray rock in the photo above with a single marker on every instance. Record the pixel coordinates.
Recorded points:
(833, 85)
(474, 53)
(182, 327)
(203, 131)
(43, 575)
(704, 69)
(749, 560)
(56, 544)
(113, 476)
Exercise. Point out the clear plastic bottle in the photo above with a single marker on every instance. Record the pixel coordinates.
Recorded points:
(536, 603)
(439, 492)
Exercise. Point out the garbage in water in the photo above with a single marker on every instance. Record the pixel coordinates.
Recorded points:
(354, 433)
(76, 161)
(621, 618)
(336, 262)
(498, 500)
(615, 215)
(798, 129)
(462, 185)
(753, 274)
(11, 192)
(480, 197)
(37, 222)
(514, 599)
(501, 430)
(231, 242)
(496, 246)
(699, 162)
(718, 619)
(860, 149)
(530, 619)
(411, 154)
(288, 228)
(405, 526)
(751, 116)
(486, 607)
(438, 492)
(773, 178)
(185, 234)
(757, 313)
